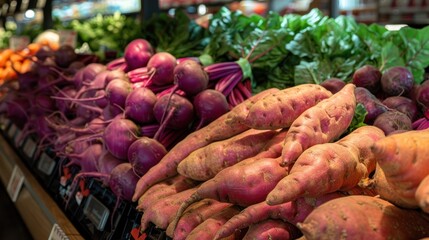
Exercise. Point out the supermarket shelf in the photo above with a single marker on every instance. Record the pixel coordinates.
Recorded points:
(38, 210)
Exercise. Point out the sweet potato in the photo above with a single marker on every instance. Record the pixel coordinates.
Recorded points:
(164, 210)
(364, 217)
(241, 184)
(204, 163)
(195, 215)
(222, 128)
(163, 189)
(292, 212)
(280, 109)
(207, 229)
(272, 229)
(403, 160)
(322, 123)
(422, 194)
(329, 167)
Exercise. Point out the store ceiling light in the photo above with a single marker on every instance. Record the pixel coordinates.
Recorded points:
(29, 14)
(202, 9)
(394, 27)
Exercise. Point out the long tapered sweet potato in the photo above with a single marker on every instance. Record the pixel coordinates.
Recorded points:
(273, 229)
(207, 229)
(195, 215)
(164, 210)
(364, 217)
(163, 189)
(403, 163)
(292, 212)
(322, 123)
(329, 167)
(422, 194)
(280, 109)
(245, 183)
(203, 163)
(222, 128)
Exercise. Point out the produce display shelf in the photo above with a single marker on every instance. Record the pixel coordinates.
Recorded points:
(38, 210)
(47, 204)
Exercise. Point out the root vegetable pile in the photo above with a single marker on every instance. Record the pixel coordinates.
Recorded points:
(202, 157)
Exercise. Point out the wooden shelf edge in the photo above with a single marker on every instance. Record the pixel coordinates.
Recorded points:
(38, 210)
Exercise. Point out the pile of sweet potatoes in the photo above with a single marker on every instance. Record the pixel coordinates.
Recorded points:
(284, 164)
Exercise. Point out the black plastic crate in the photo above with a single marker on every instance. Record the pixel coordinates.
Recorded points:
(98, 213)
(46, 169)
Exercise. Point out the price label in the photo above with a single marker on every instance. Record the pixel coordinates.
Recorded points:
(96, 212)
(12, 131)
(79, 198)
(4, 123)
(19, 139)
(29, 147)
(57, 233)
(46, 164)
(18, 42)
(15, 183)
(68, 37)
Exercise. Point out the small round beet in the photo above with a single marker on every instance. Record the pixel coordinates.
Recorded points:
(368, 77)
(392, 121)
(422, 94)
(333, 84)
(402, 104)
(190, 77)
(137, 53)
(144, 153)
(397, 81)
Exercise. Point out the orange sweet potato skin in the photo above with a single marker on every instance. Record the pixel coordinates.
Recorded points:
(403, 163)
(207, 229)
(162, 212)
(329, 167)
(164, 189)
(222, 128)
(272, 229)
(204, 163)
(280, 109)
(422, 194)
(195, 215)
(364, 217)
(324, 122)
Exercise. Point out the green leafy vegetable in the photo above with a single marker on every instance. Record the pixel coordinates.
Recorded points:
(178, 35)
(358, 118)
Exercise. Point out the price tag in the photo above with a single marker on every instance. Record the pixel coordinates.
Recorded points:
(18, 42)
(68, 37)
(19, 139)
(46, 164)
(78, 197)
(96, 212)
(57, 233)
(15, 183)
(4, 123)
(12, 131)
(29, 147)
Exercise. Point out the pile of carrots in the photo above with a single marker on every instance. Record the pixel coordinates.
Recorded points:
(13, 62)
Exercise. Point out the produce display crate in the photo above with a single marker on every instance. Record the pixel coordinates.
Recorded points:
(91, 207)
